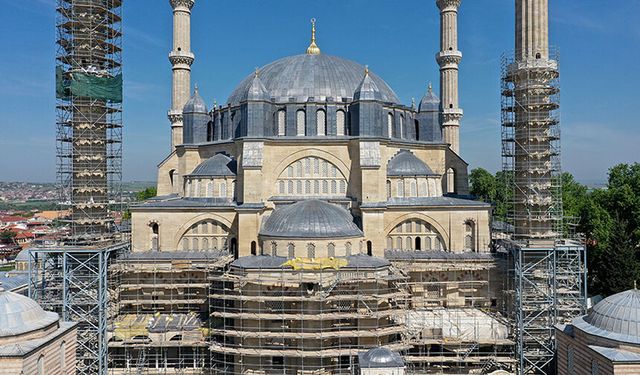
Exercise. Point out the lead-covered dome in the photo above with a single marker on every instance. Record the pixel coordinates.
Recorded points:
(310, 219)
(20, 314)
(618, 314)
(379, 358)
(319, 76)
(405, 163)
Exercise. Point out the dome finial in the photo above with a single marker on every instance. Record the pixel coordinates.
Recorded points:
(257, 72)
(195, 88)
(313, 47)
(366, 70)
(430, 89)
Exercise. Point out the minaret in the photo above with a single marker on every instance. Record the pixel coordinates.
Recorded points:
(181, 59)
(449, 58)
(533, 76)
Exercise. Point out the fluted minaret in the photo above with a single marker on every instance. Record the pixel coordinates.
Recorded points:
(449, 58)
(181, 59)
(538, 206)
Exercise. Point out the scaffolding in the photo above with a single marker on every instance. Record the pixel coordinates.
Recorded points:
(161, 311)
(72, 281)
(89, 114)
(455, 320)
(269, 318)
(549, 274)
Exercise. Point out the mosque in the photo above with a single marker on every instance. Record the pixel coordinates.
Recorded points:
(313, 224)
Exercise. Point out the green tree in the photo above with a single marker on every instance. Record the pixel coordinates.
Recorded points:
(7, 236)
(147, 193)
(483, 184)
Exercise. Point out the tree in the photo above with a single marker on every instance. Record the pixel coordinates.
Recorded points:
(147, 193)
(483, 184)
(7, 236)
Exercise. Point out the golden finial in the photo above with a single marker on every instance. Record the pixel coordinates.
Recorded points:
(366, 70)
(430, 89)
(313, 47)
(257, 71)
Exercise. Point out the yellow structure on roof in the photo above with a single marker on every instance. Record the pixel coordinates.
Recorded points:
(312, 264)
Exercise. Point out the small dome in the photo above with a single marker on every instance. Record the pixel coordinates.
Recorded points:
(380, 357)
(405, 163)
(23, 256)
(217, 165)
(368, 90)
(195, 104)
(310, 219)
(619, 314)
(257, 91)
(319, 76)
(20, 314)
(430, 102)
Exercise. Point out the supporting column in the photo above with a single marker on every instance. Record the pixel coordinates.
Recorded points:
(449, 58)
(181, 59)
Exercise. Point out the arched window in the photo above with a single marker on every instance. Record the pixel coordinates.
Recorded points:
(416, 234)
(274, 248)
(451, 181)
(469, 236)
(388, 189)
(282, 122)
(210, 189)
(311, 250)
(40, 365)
(400, 188)
(401, 127)
(347, 248)
(207, 233)
(301, 123)
(223, 190)
(194, 244)
(205, 244)
(210, 131)
(423, 190)
(63, 353)
(154, 237)
(390, 126)
(416, 124)
(233, 189)
(369, 248)
(171, 174)
(340, 123)
(389, 243)
(331, 250)
(185, 244)
(412, 187)
(321, 122)
(311, 176)
(291, 250)
(253, 248)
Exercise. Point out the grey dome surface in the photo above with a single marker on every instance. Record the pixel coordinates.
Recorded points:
(429, 102)
(318, 76)
(20, 314)
(380, 357)
(310, 219)
(217, 165)
(618, 314)
(405, 163)
(195, 104)
(23, 256)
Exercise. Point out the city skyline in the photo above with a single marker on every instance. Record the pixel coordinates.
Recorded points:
(591, 117)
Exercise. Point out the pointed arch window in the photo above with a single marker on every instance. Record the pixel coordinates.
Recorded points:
(390, 131)
(282, 122)
(340, 123)
(301, 123)
(321, 122)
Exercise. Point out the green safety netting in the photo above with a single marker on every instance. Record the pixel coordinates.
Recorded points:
(88, 86)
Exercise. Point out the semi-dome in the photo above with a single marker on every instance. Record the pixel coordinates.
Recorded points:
(20, 314)
(405, 163)
(310, 219)
(619, 315)
(311, 75)
(380, 357)
(217, 165)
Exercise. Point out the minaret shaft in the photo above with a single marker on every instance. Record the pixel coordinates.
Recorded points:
(181, 59)
(449, 58)
(532, 29)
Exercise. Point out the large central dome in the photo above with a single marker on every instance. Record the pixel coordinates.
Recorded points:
(319, 76)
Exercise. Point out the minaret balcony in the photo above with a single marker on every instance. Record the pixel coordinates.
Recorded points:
(181, 58)
(449, 59)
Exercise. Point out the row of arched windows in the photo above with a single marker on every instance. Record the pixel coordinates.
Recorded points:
(321, 122)
(311, 176)
(205, 235)
(205, 188)
(310, 250)
(414, 187)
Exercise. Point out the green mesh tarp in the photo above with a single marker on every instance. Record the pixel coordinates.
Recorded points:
(89, 86)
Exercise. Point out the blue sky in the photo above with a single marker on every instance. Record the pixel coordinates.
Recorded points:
(600, 79)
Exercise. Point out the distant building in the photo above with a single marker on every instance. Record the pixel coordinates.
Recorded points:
(604, 342)
(33, 341)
